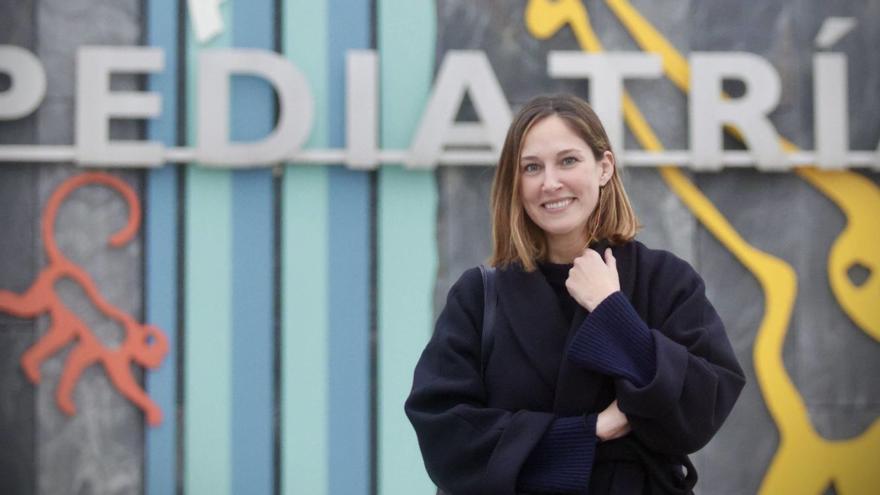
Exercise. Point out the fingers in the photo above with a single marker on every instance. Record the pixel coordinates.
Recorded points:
(608, 257)
(587, 253)
(610, 260)
(612, 423)
(612, 407)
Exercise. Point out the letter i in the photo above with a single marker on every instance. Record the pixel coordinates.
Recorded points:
(830, 106)
(361, 109)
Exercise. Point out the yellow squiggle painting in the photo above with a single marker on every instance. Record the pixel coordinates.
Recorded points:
(805, 462)
(855, 195)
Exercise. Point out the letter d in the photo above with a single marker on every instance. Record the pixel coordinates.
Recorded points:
(295, 108)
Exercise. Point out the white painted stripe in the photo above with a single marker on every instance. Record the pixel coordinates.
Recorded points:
(181, 155)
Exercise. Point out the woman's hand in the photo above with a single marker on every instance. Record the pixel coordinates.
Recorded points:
(591, 279)
(611, 423)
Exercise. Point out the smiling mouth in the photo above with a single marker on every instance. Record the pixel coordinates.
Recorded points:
(557, 205)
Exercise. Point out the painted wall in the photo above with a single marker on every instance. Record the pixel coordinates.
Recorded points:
(296, 299)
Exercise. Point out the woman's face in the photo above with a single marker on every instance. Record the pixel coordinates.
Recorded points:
(560, 179)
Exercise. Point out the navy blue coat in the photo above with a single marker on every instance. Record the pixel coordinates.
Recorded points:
(527, 422)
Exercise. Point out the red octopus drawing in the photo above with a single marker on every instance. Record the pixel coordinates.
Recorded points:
(145, 345)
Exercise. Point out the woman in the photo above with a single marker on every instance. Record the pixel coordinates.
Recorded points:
(608, 365)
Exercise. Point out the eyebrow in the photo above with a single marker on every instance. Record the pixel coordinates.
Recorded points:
(562, 152)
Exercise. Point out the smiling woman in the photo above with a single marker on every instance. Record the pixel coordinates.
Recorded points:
(560, 184)
(602, 373)
(556, 150)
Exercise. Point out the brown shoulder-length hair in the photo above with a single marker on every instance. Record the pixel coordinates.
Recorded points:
(515, 237)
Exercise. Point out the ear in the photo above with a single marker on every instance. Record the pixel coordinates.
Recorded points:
(606, 167)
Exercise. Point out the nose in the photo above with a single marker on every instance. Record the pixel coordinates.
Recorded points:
(551, 180)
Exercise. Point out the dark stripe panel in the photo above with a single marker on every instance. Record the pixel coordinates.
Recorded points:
(349, 232)
(252, 116)
(161, 249)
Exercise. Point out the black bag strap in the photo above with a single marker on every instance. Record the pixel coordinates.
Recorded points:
(490, 303)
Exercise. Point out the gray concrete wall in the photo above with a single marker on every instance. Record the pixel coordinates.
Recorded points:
(100, 450)
(18, 266)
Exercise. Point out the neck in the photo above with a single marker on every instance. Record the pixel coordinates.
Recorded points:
(564, 249)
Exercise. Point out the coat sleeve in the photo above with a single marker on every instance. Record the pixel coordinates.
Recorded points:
(677, 379)
(469, 448)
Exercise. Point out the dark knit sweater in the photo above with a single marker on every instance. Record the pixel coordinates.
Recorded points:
(613, 341)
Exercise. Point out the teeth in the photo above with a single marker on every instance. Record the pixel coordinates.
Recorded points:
(557, 205)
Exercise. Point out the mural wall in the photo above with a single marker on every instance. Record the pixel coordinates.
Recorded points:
(252, 328)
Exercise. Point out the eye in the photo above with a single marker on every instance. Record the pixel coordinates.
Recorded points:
(569, 161)
(531, 168)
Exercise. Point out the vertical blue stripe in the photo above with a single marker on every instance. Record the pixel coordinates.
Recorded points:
(349, 233)
(160, 237)
(349, 373)
(252, 117)
(407, 226)
(349, 29)
(252, 334)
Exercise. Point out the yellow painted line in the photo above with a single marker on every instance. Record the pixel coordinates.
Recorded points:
(859, 200)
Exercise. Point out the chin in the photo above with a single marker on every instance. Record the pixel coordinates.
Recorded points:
(562, 230)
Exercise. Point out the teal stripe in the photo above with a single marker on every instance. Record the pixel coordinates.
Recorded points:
(304, 32)
(208, 332)
(304, 332)
(208, 320)
(407, 202)
(305, 327)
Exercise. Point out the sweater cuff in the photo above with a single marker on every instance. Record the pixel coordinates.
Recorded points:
(613, 340)
(563, 459)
